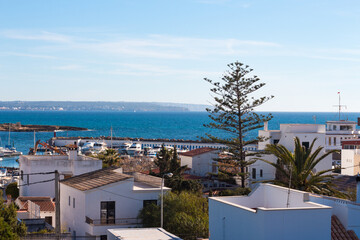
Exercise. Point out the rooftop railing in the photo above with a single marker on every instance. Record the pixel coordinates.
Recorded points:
(113, 221)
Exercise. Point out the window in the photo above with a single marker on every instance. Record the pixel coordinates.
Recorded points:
(107, 212)
(149, 202)
(276, 141)
(74, 235)
(69, 200)
(48, 220)
(73, 202)
(261, 173)
(306, 145)
(334, 127)
(329, 141)
(254, 173)
(103, 237)
(334, 141)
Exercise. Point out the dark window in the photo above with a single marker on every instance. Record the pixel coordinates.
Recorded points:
(149, 202)
(103, 237)
(306, 144)
(254, 173)
(48, 220)
(107, 212)
(276, 141)
(261, 173)
(69, 200)
(73, 202)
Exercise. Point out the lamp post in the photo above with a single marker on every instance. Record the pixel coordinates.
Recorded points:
(162, 196)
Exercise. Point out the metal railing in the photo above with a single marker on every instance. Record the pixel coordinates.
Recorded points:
(113, 221)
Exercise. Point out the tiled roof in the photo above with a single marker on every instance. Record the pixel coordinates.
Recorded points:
(95, 179)
(338, 231)
(45, 203)
(345, 183)
(197, 151)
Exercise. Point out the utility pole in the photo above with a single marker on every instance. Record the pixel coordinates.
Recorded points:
(57, 206)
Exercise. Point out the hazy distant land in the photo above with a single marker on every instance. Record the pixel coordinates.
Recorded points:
(18, 127)
(100, 106)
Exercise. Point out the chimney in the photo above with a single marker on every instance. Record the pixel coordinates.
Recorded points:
(357, 188)
(266, 124)
(73, 153)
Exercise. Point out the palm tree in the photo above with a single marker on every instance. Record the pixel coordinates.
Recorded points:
(297, 169)
(110, 157)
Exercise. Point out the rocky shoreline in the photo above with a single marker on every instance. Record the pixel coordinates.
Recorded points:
(17, 127)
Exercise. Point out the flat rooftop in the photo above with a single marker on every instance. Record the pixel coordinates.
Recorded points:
(271, 197)
(142, 234)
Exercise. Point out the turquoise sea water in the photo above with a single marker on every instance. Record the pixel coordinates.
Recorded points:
(172, 125)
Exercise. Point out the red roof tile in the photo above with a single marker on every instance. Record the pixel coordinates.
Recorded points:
(338, 231)
(197, 151)
(45, 203)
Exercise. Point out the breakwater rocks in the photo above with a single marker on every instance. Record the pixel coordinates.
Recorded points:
(17, 127)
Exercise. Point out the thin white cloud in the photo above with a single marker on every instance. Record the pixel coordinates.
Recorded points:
(28, 55)
(41, 36)
(69, 67)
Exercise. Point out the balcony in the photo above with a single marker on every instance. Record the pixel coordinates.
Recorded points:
(117, 221)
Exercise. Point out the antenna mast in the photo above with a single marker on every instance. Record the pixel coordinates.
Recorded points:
(339, 106)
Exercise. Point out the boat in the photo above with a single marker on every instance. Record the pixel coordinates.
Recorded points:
(93, 147)
(150, 152)
(134, 150)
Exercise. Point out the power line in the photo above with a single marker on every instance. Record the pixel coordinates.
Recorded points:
(27, 184)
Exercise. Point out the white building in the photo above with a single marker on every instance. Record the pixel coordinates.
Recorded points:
(117, 142)
(274, 212)
(337, 131)
(350, 157)
(36, 207)
(32, 184)
(93, 202)
(285, 136)
(140, 234)
(200, 162)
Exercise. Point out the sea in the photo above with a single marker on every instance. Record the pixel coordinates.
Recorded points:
(170, 125)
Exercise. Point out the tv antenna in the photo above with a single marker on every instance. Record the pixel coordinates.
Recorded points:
(340, 106)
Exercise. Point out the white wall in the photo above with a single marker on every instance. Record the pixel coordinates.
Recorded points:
(128, 203)
(201, 164)
(305, 133)
(348, 212)
(43, 163)
(228, 222)
(347, 161)
(264, 215)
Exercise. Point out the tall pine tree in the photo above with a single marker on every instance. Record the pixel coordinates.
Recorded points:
(233, 113)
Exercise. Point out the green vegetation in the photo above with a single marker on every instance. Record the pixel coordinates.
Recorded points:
(185, 215)
(233, 113)
(10, 228)
(110, 158)
(168, 162)
(299, 166)
(12, 190)
(235, 192)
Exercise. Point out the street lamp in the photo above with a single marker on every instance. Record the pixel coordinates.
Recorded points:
(162, 196)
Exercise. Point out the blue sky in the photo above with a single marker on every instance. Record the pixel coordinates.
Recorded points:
(160, 51)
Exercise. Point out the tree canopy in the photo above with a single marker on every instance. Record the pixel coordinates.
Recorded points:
(233, 113)
(110, 157)
(10, 228)
(168, 162)
(185, 215)
(297, 169)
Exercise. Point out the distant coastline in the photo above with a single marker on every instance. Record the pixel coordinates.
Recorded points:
(18, 127)
(99, 106)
